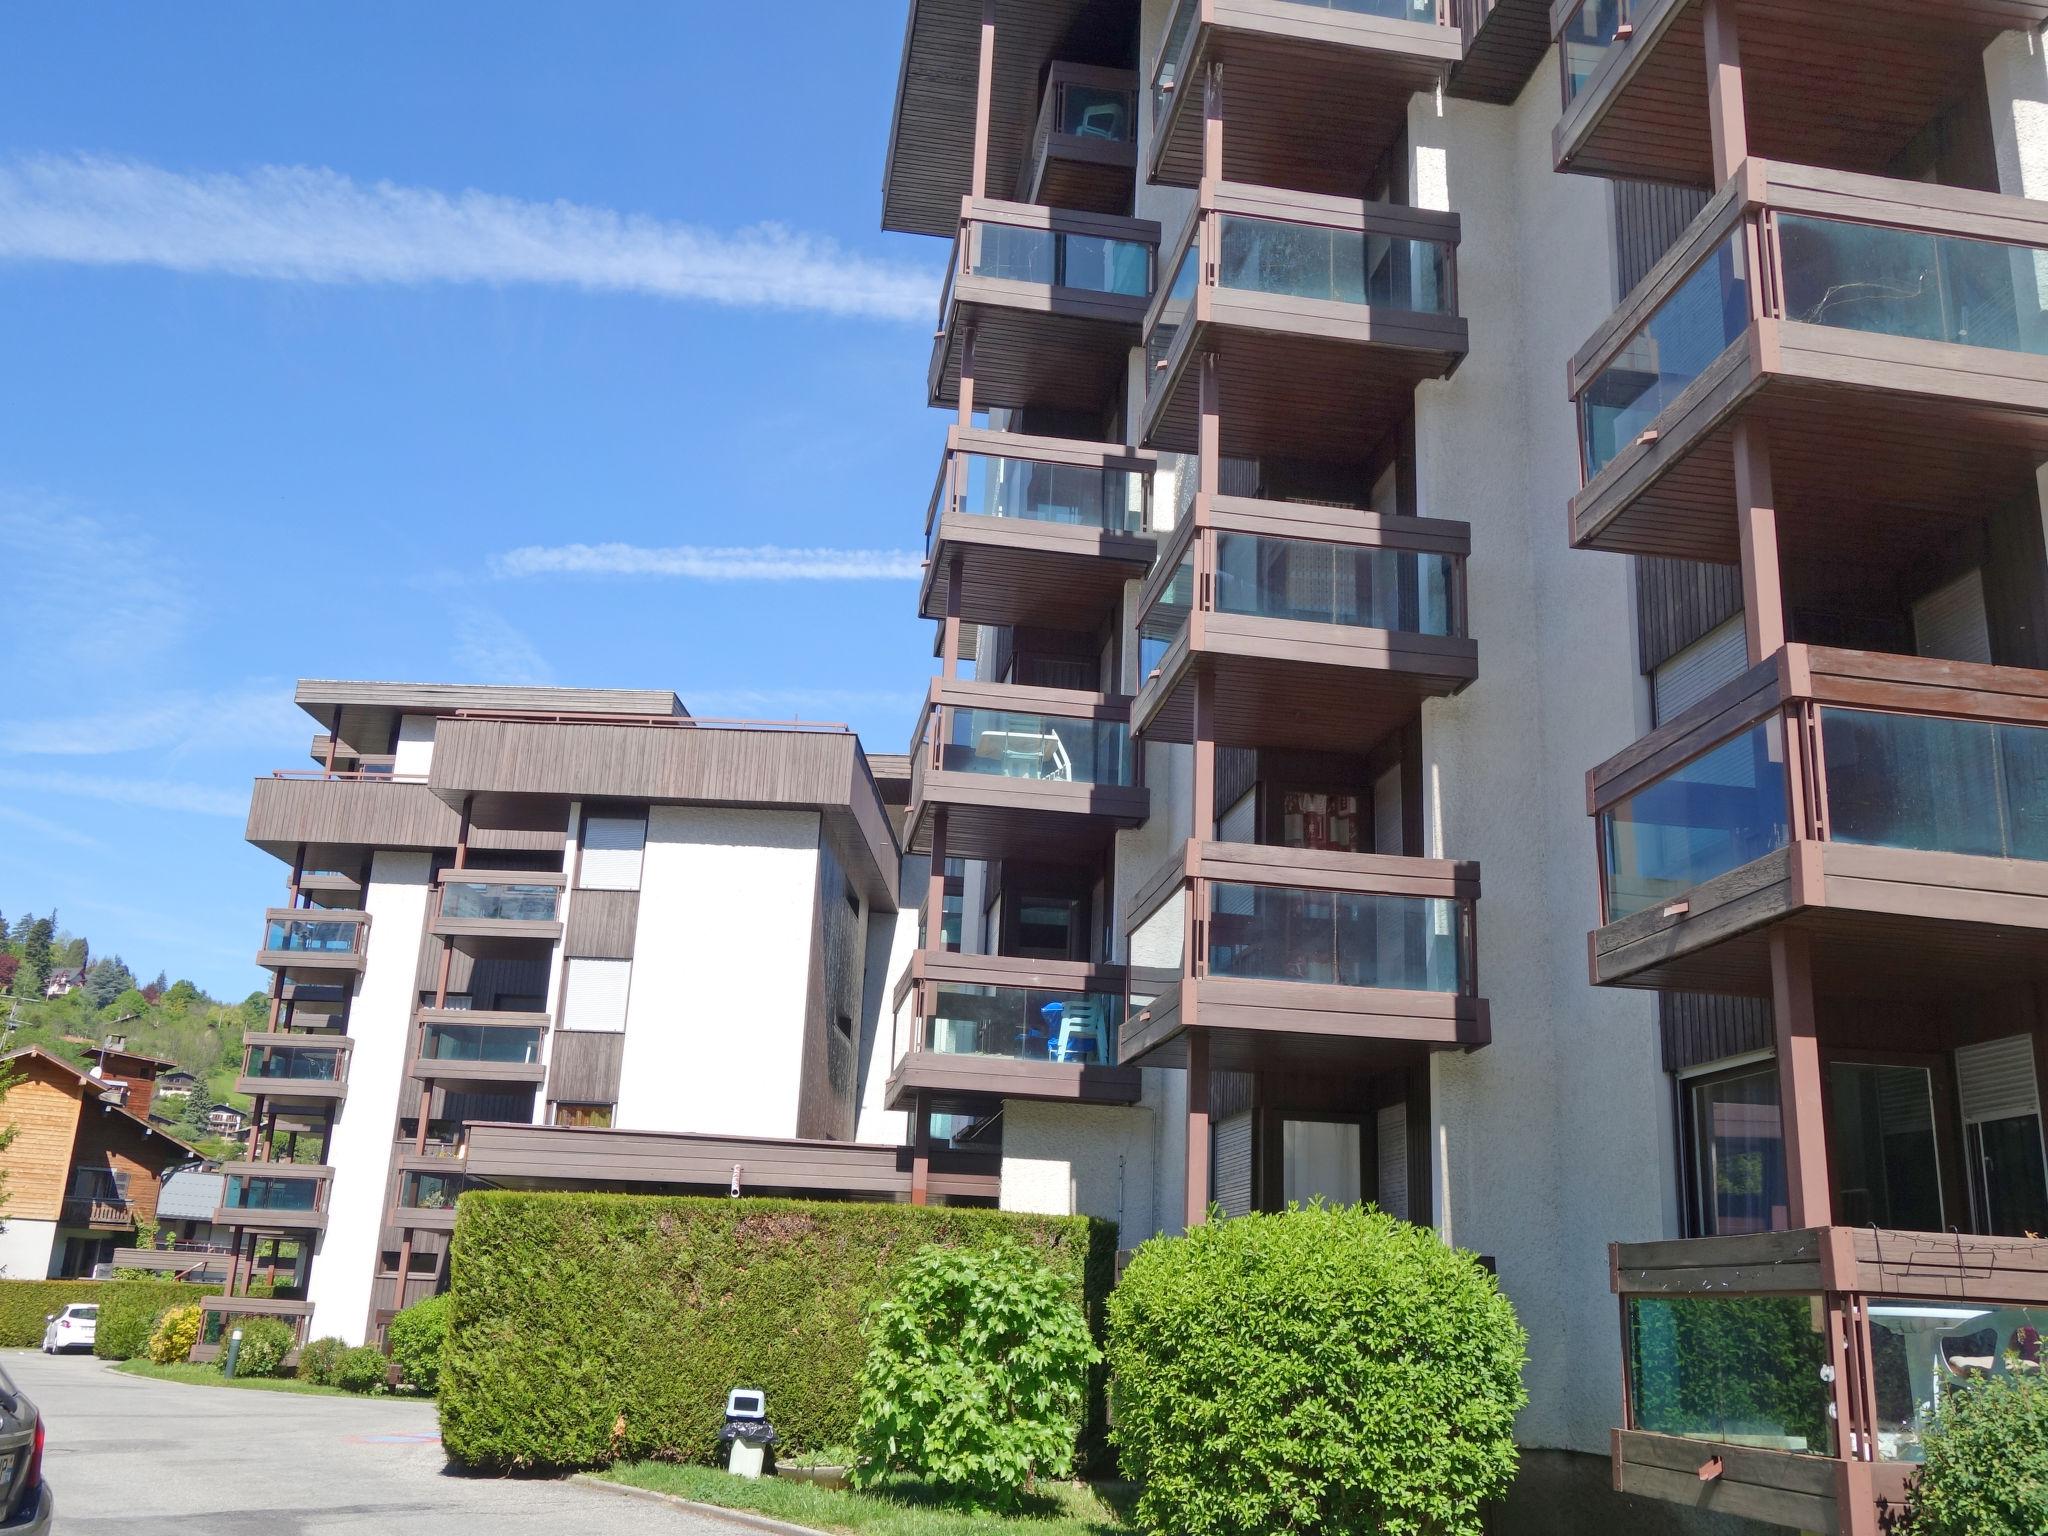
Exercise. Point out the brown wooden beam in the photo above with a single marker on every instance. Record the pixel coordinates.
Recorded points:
(984, 97)
(949, 650)
(921, 1151)
(1763, 588)
(1802, 1089)
(1198, 1128)
(1726, 119)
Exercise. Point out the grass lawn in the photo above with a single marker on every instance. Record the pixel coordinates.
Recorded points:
(207, 1376)
(904, 1509)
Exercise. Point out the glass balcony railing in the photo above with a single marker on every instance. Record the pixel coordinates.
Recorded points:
(1748, 1370)
(1023, 1023)
(1110, 499)
(1726, 807)
(1161, 624)
(1166, 74)
(299, 1063)
(1096, 112)
(483, 900)
(1935, 784)
(429, 1191)
(1689, 330)
(1054, 258)
(260, 1192)
(1923, 287)
(1344, 266)
(1318, 583)
(1012, 744)
(311, 936)
(481, 1042)
(1175, 307)
(1338, 938)
(1592, 33)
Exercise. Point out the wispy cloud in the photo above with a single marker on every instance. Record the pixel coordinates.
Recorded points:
(766, 562)
(492, 650)
(308, 224)
(55, 831)
(150, 794)
(82, 590)
(172, 723)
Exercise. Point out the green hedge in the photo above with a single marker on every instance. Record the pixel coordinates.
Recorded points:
(129, 1310)
(25, 1307)
(585, 1329)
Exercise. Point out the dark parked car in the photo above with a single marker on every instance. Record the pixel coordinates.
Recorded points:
(25, 1499)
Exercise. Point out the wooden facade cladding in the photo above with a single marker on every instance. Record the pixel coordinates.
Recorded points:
(583, 1066)
(345, 817)
(563, 1157)
(1884, 920)
(1027, 343)
(601, 924)
(1289, 682)
(1896, 436)
(1293, 374)
(1255, 1024)
(993, 816)
(523, 769)
(1312, 95)
(362, 717)
(1021, 570)
(1837, 82)
(1504, 41)
(1093, 172)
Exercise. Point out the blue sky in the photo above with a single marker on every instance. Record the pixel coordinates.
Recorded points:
(453, 342)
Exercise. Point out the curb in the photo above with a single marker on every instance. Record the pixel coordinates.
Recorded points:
(741, 1517)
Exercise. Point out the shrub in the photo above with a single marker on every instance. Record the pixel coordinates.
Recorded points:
(316, 1360)
(26, 1305)
(976, 1375)
(265, 1343)
(417, 1335)
(130, 1309)
(584, 1329)
(1987, 1462)
(176, 1332)
(1326, 1369)
(362, 1369)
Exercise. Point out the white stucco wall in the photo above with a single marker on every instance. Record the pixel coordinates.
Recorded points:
(721, 965)
(380, 1023)
(2016, 79)
(26, 1248)
(415, 753)
(1081, 1160)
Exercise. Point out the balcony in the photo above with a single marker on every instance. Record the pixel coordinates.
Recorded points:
(477, 1047)
(340, 817)
(313, 949)
(1303, 960)
(220, 1315)
(1044, 773)
(493, 911)
(1789, 1377)
(109, 1213)
(1894, 808)
(1041, 305)
(1847, 83)
(426, 1199)
(1314, 91)
(1323, 314)
(291, 1070)
(1045, 530)
(274, 1197)
(995, 1026)
(331, 888)
(1084, 150)
(1316, 628)
(1894, 352)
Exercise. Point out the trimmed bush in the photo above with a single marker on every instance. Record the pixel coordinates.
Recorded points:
(130, 1310)
(265, 1343)
(585, 1329)
(361, 1369)
(316, 1360)
(417, 1336)
(1987, 1462)
(976, 1376)
(1323, 1370)
(176, 1332)
(26, 1305)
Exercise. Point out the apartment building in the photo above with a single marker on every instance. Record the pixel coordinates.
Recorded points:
(1265, 640)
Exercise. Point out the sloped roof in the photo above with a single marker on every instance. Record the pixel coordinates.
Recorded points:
(190, 1194)
(95, 1086)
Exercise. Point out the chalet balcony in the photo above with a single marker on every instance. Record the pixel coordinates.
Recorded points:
(1894, 808)
(1888, 340)
(1041, 305)
(461, 1046)
(1303, 960)
(274, 1197)
(1044, 531)
(308, 948)
(1045, 773)
(1847, 83)
(1790, 1377)
(997, 1026)
(1315, 91)
(426, 1198)
(109, 1213)
(1322, 315)
(497, 911)
(1084, 149)
(294, 1070)
(1311, 627)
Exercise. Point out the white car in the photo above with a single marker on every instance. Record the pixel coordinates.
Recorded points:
(73, 1328)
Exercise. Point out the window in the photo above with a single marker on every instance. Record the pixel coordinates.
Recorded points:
(1391, 1137)
(1320, 1158)
(594, 994)
(1735, 1151)
(1046, 927)
(1717, 657)
(1950, 622)
(2002, 1134)
(612, 846)
(584, 1116)
(1882, 1147)
(1313, 819)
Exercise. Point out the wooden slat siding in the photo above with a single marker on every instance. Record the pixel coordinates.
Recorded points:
(1317, 869)
(601, 924)
(1698, 1028)
(316, 694)
(1845, 1260)
(1649, 218)
(583, 1066)
(1001, 1077)
(1779, 1488)
(1678, 602)
(348, 813)
(486, 978)
(39, 1162)
(1505, 41)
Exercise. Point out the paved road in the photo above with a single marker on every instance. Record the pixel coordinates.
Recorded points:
(127, 1455)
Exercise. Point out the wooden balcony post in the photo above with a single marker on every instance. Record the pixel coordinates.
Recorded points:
(949, 649)
(1725, 114)
(1198, 1128)
(984, 97)
(935, 886)
(1212, 122)
(966, 361)
(1763, 589)
(921, 1151)
(1801, 1089)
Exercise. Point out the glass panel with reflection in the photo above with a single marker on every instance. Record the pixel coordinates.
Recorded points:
(1718, 812)
(1340, 938)
(1924, 1352)
(1318, 583)
(1014, 744)
(484, 900)
(1024, 1023)
(1739, 1370)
